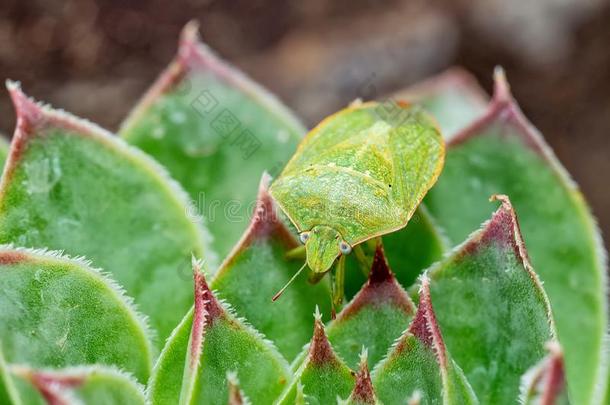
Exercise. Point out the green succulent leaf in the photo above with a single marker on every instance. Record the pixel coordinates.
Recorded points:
(59, 312)
(375, 318)
(71, 186)
(415, 247)
(503, 153)
(322, 377)
(454, 98)
(419, 362)
(258, 268)
(216, 131)
(209, 343)
(491, 307)
(544, 384)
(91, 385)
(8, 391)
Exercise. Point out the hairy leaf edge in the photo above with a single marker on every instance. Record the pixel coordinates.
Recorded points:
(193, 53)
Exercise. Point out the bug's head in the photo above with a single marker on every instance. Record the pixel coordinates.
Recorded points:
(323, 245)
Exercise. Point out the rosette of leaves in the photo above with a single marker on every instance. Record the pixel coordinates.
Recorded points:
(140, 268)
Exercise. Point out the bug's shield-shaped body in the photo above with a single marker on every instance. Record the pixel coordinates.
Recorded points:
(359, 174)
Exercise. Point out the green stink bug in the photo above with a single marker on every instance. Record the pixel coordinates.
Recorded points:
(359, 174)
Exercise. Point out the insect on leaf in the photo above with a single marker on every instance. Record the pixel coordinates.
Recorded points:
(360, 173)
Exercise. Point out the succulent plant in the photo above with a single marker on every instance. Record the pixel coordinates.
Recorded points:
(140, 268)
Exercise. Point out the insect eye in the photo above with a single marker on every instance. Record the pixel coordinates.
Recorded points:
(345, 248)
(304, 236)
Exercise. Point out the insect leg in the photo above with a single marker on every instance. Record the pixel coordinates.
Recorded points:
(364, 262)
(338, 284)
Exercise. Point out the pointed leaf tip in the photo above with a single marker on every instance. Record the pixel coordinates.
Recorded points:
(317, 315)
(363, 392)
(380, 287)
(502, 92)
(27, 110)
(380, 270)
(205, 301)
(53, 387)
(424, 325)
(189, 43)
(320, 350)
(207, 309)
(194, 54)
(265, 218)
(263, 224)
(190, 32)
(364, 354)
(374, 318)
(502, 229)
(323, 375)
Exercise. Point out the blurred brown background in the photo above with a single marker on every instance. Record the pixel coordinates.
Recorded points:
(95, 58)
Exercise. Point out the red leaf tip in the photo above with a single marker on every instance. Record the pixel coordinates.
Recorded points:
(28, 111)
(380, 270)
(363, 392)
(189, 41)
(264, 223)
(194, 54)
(503, 109)
(206, 310)
(52, 386)
(502, 92)
(547, 378)
(381, 287)
(424, 325)
(264, 219)
(555, 378)
(190, 32)
(205, 301)
(320, 350)
(501, 230)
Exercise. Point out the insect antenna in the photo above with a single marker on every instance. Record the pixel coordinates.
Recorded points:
(280, 292)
